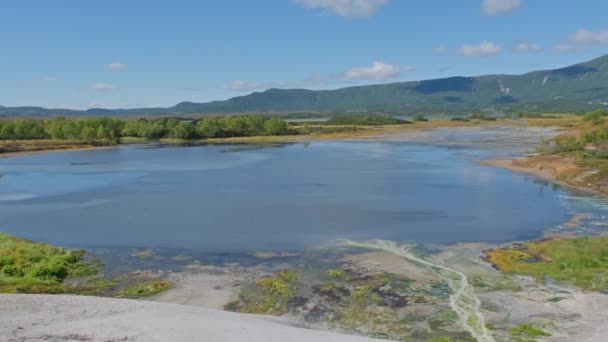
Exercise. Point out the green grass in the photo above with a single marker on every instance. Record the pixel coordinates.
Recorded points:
(144, 289)
(581, 261)
(363, 120)
(29, 267)
(527, 332)
(338, 273)
(268, 295)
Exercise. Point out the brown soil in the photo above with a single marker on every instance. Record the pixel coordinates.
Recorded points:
(557, 169)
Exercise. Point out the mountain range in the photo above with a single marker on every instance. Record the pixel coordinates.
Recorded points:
(578, 87)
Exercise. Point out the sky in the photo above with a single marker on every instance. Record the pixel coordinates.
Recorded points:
(133, 53)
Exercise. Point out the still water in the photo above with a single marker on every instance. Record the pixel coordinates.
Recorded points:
(235, 198)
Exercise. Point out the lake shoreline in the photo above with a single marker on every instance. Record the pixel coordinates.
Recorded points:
(540, 171)
(506, 300)
(363, 132)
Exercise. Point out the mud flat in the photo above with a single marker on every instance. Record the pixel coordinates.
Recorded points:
(393, 291)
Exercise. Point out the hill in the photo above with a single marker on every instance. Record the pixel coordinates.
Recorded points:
(579, 87)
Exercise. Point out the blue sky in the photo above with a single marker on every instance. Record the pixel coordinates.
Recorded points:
(81, 54)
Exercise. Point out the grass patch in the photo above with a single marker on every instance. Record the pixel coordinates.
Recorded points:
(29, 267)
(364, 120)
(268, 295)
(527, 332)
(145, 289)
(581, 261)
(338, 273)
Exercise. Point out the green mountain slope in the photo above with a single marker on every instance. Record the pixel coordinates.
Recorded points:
(578, 87)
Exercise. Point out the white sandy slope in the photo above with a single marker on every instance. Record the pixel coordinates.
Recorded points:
(79, 318)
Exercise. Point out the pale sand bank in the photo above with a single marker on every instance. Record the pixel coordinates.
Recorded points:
(27, 318)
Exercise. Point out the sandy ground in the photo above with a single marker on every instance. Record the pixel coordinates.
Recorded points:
(57, 318)
(391, 263)
(207, 286)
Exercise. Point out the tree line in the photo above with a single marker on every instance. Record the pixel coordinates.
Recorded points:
(109, 130)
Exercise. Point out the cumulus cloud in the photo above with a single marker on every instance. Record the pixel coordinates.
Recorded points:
(116, 66)
(104, 86)
(587, 37)
(344, 8)
(494, 7)
(485, 48)
(581, 39)
(525, 47)
(378, 71)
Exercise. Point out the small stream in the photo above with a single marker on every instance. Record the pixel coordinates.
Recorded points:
(462, 300)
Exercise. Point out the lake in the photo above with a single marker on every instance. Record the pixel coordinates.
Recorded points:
(239, 197)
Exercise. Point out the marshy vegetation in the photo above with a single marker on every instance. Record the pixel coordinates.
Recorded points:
(580, 261)
(30, 267)
(346, 298)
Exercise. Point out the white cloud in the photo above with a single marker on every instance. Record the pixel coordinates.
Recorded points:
(485, 48)
(586, 37)
(525, 46)
(494, 7)
(581, 39)
(378, 71)
(345, 8)
(116, 66)
(104, 86)
(240, 85)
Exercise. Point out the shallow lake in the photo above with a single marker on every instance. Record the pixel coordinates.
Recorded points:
(238, 197)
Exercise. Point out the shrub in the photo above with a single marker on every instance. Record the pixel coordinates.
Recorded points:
(596, 116)
(12, 271)
(419, 118)
(52, 270)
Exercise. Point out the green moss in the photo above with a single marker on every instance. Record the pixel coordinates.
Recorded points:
(281, 285)
(362, 292)
(268, 295)
(288, 276)
(582, 261)
(527, 331)
(338, 273)
(145, 289)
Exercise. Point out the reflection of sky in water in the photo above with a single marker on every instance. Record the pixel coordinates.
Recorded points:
(275, 198)
(593, 209)
(27, 185)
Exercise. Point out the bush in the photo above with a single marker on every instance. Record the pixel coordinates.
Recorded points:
(6, 260)
(275, 126)
(12, 271)
(419, 118)
(596, 117)
(52, 270)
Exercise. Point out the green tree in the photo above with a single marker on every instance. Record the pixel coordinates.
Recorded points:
(275, 126)
(183, 130)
